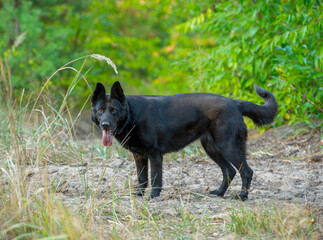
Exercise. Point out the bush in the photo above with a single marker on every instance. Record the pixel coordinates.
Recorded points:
(164, 47)
(275, 44)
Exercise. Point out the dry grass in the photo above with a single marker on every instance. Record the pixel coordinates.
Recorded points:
(28, 212)
(278, 222)
(31, 210)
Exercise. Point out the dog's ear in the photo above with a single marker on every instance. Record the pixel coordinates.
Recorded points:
(99, 93)
(117, 92)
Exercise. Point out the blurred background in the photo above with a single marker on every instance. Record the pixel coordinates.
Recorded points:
(169, 46)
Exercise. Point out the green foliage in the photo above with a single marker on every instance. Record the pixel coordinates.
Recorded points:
(275, 44)
(38, 39)
(136, 36)
(163, 47)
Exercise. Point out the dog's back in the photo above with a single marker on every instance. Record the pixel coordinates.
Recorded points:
(169, 123)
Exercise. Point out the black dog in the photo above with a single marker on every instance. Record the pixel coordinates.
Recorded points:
(150, 126)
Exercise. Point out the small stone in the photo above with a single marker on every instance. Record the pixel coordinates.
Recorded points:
(317, 158)
(285, 196)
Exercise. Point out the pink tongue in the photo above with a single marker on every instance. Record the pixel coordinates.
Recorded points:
(107, 138)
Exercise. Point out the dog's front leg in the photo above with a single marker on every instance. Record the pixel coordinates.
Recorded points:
(142, 173)
(156, 169)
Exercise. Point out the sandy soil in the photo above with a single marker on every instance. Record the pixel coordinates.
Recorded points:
(287, 170)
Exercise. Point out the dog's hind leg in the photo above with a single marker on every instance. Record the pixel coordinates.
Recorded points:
(142, 173)
(234, 151)
(246, 176)
(238, 160)
(228, 171)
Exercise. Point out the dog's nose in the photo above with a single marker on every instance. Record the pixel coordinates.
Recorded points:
(105, 125)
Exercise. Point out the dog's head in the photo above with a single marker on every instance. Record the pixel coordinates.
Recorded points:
(108, 110)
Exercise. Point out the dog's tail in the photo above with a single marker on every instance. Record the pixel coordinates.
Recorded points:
(260, 114)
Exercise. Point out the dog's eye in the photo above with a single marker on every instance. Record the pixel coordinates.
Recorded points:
(100, 110)
(113, 110)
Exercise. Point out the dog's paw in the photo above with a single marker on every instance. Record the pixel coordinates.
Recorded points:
(216, 192)
(139, 193)
(241, 197)
(154, 193)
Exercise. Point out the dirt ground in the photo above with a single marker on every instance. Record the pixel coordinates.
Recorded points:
(287, 170)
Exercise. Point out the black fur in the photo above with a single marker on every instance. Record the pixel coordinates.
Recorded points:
(151, 126)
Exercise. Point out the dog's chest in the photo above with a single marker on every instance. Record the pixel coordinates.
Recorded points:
(132, 144)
